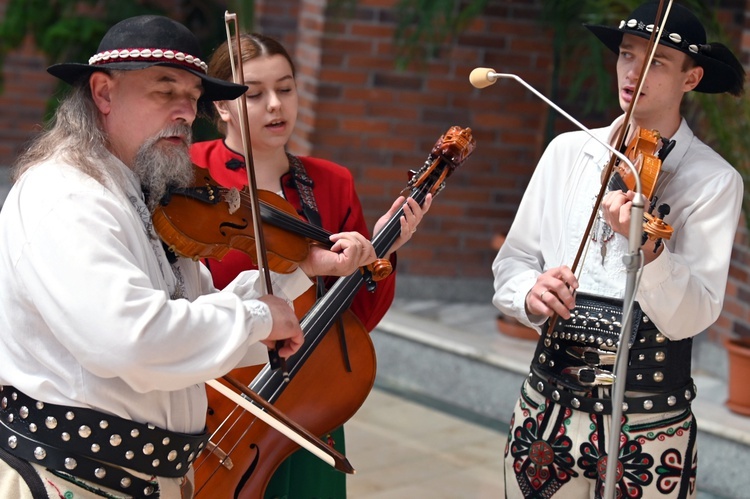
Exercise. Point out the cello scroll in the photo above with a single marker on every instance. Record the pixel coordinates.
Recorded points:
(450, 151)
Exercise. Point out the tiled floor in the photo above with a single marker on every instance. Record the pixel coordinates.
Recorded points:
(405, 450)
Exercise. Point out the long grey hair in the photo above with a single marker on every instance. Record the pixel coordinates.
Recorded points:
(74, 134)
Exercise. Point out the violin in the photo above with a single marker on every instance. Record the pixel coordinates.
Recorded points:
(646, 150)
(207, 220)
(327, 383)
(637, 147)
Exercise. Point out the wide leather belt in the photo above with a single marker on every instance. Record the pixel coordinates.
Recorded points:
(654, 403)
(92, 445)
(579, 353)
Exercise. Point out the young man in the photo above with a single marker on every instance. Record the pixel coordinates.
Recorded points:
(559, 432)
(106, 341)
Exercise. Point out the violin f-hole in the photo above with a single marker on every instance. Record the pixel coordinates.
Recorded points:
(231, 225)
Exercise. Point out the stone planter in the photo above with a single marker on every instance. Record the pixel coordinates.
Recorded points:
(739, 375)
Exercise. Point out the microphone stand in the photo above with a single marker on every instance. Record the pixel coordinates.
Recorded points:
(632, 261)
(481, 77)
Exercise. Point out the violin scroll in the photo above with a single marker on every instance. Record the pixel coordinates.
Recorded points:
(380, 269)
(654, 227)
(376, 271)
(646, 150)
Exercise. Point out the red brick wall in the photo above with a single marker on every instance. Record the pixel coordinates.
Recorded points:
(360, 111)
(381, 122)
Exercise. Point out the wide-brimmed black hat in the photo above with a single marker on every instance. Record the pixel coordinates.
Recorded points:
(143, 41)
(722, 72)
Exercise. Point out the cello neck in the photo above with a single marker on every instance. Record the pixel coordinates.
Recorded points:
(449, 152)
(327, 309)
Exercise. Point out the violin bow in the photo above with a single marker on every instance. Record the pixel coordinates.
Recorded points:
(239, 78)
(652, 46)
(252, 186)
(249, 400)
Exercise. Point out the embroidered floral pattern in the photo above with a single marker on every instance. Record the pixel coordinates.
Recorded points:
(541, 466)
(633, 468)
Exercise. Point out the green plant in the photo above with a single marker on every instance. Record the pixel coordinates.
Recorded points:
(423, 25)
(64, 30)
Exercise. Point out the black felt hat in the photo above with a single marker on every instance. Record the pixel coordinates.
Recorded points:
(722, 72)
(143, 41)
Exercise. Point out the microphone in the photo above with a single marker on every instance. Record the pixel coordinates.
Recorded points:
(482, 77)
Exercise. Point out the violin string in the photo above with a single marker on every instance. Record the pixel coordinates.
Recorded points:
(224, 454)
(284, 220)
(234, 415)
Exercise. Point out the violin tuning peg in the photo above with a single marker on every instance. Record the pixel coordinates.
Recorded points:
(664, 210)
(666, 148)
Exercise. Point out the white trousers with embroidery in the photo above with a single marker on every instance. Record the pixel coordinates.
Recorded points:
(554, 451)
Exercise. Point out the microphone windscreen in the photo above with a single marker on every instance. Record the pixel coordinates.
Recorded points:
(480, 77)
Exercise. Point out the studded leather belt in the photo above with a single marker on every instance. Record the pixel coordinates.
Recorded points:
(654, 403)
(92, 445)
(578, 354)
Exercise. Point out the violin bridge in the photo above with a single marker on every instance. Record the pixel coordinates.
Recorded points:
(224, 458)
(233, 199)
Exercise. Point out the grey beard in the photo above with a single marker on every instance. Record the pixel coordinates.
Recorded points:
(161, 167)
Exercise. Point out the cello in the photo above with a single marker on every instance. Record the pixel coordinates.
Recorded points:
(324, 388)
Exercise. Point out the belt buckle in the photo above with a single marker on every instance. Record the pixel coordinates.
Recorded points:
(592, 356)
(590, 376)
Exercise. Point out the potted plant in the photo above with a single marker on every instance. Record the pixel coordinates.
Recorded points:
(738, 350)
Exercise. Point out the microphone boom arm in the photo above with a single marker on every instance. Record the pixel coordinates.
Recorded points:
(490, 77)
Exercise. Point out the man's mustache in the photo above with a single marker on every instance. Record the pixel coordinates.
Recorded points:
(182, 130)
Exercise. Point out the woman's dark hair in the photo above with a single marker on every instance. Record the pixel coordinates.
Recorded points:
(252, 46)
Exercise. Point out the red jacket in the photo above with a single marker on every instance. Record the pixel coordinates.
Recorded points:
(338, 206)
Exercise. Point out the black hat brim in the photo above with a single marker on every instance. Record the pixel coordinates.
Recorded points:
(716, 75)
(214, 89)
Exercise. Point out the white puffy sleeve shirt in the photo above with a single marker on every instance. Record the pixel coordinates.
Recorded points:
(682, 290)
(86, 315)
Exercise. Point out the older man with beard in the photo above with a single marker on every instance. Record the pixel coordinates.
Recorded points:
(106, 341)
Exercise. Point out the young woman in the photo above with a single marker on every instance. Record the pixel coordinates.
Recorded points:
(321, 191)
